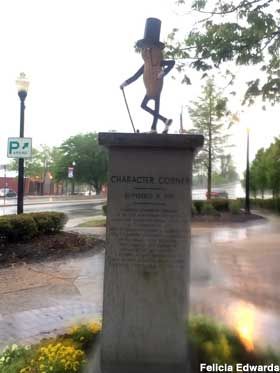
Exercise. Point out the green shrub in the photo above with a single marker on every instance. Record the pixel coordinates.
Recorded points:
(194, 210)
(23, 227)
(209, 209)
(234, 207)
(104, 208)
(220, 204)
(213, 343)
(272, 204)
(198, 204)
(26, 226)
(14, 358)
(5, 228)
(49, 222)
(85, 334)
(269, 204)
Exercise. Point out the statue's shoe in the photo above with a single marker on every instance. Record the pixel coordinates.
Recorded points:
(168, 123)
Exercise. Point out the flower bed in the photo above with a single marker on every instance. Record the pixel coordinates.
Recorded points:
(209, 342)
(67, 353)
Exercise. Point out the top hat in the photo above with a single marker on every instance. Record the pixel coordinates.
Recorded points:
(151, 35)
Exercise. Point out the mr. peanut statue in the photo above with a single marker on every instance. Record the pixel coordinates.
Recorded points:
(153, 70)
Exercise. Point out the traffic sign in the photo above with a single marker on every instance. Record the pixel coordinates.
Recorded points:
(19, 147)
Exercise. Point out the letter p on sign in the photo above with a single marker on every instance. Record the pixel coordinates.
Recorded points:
(14, 145)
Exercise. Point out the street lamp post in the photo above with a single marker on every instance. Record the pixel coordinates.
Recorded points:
(247, 185)
(73, 182)
(22, 87)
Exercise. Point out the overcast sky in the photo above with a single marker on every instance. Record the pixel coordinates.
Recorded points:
(76, 54)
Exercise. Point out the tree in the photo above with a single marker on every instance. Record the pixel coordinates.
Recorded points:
(208, 115)
(42, 161)
(246, 32)
(89, 157)
(265, 170)
(227, 172)
(273, 167)
(259, 173)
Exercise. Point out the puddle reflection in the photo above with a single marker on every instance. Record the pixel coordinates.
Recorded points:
(255, 326)
(229, 234)
(243, 319)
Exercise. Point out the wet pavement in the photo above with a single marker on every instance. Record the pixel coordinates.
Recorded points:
(73, 206)
(234, 278)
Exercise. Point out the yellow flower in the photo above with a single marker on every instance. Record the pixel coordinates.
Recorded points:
(68, 365)
(74, 329)
(95, 327)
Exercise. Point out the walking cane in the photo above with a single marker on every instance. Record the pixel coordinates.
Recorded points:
(128, 110)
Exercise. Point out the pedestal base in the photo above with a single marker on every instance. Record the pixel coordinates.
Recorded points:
(146, 276)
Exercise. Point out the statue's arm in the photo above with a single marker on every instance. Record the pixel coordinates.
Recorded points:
(133, 78)
(167, 65)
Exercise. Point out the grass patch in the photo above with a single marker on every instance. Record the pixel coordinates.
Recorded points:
(95, 222)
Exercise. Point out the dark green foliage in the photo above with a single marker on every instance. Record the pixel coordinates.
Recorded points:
(49, 222)
(234, 207)
(198, 204)
(217, 206)
(104, 208)
(209, 209)
(90, 158)
(267, 204)
(14, 358)
(220, 204)
(244, 32)
(23, 227)
(27, 226)
(194, 210)
(42, 161)
(265, 171)
(210, 118)
(5, 228)
(213, 343)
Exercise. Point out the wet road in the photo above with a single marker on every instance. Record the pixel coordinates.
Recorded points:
(234, 278)
(74, 208)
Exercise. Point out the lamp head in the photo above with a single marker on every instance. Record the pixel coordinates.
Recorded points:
(22, 85)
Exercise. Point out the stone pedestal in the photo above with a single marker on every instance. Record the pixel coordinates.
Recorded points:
(148, 252)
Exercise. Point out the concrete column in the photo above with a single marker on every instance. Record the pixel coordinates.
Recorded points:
(147, 262)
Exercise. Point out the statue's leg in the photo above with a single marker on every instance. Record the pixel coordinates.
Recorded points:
(144, 105)
(149, 110)
(156, 114)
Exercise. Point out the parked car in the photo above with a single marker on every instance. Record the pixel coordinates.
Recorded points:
(7, 192)
(218, 193)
